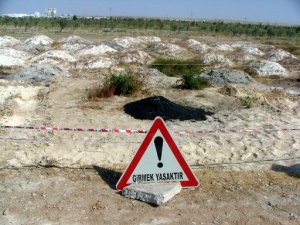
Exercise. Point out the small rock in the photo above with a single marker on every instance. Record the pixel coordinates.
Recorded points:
(6, 212)
(272, 204)
(154, 193)
(215, 222)
(294, 215)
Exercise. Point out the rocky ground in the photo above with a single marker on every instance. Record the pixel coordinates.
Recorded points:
(246, 177)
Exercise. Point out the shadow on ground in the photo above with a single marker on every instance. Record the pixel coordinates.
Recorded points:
(293, 170)
(111, 177)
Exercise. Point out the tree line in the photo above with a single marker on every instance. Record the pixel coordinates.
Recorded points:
(176, 26)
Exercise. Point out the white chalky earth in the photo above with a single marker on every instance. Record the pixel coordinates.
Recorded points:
(246, 177)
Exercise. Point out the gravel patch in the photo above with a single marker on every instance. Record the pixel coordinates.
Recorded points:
(40, 73)
(221, 77)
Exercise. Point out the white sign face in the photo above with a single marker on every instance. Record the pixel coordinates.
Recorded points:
(158, 160)
(154, 167)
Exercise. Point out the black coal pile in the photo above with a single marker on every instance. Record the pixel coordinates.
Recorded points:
(149, 108)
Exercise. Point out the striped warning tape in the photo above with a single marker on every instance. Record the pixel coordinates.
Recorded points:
(63, 140)
(131, 142)
(101, 130)
(131, 131)
(235, 131)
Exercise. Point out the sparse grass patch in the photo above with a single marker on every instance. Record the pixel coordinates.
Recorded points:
(274, 94)
(194, 82)
(123, 84)
(292, 49)
(200, 96)
(55, 45)
(247, 102)
(4, 71)
(176, 67)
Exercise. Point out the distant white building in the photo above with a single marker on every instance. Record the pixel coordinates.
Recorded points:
(20, 15)
(51, 12)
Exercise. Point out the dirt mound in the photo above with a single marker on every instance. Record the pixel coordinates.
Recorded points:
(74, 39)
(40, 73)
(8, 41)
(149, 108)
(221, 77)
(217, 60)
(267, 68)
(10, 62)
(39, 40)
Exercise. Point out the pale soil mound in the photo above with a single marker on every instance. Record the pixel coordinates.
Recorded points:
(55, 57)
(72, 47)
(7, 41)
(40, 73)
(139, 41)
(10, 62)
(222, 47)
(279, 54)
(217, 60)
(74, 39)
(39, 40)
(267, 68)
(15, 53)
(169, 49)
(221, 77)
(135, 56)
(95, 50)
(92, 63)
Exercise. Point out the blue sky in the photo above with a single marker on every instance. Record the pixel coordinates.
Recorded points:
(273, 11)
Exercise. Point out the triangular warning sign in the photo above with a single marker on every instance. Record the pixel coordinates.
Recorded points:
(158, 160)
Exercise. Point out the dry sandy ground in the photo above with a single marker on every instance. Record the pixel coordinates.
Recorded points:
(60, 196)
(242, 181)
(239, 185)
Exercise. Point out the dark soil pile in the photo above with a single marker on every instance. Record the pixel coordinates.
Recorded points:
(149, 108)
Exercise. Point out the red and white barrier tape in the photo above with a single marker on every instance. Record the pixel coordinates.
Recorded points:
(63, 140)
(101, 130)
(131, 131)
(235, 131)
(138, 142)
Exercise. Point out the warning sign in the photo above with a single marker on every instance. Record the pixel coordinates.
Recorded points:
(158, 160)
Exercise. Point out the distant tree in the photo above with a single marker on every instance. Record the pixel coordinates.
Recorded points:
(21, 22)
(112, 24)
(235, 31)
(262, 32)
(160, 25)
(173, 26)
(291, 32)
(28, 24)
(15, 22)
(146, 24)
(75, 17)
(63, 23)
(270, 32)
(75, 25)
(187, 26)
(248, 31)
(255, 31)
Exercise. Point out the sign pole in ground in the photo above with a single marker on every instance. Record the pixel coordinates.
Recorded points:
(158, 160)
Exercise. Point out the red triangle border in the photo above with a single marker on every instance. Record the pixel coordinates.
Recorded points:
(158, 124)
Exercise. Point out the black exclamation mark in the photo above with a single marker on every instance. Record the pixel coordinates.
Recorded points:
(158, 141)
